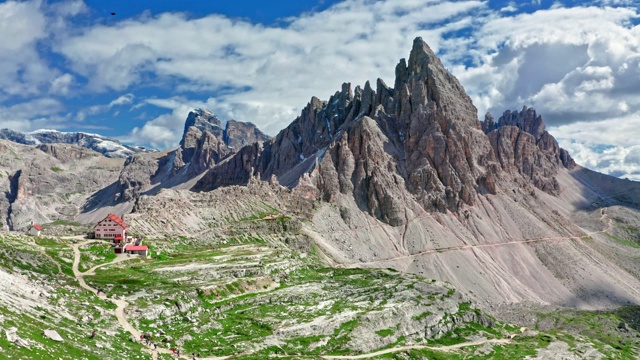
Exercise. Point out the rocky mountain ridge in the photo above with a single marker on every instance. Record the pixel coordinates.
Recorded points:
(530, 122)
(104, 145)
(91, 183)
(422, 136)
(204, 144)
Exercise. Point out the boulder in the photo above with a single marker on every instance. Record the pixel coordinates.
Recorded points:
(53, 335)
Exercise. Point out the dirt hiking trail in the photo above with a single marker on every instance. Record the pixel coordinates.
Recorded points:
(120, 303)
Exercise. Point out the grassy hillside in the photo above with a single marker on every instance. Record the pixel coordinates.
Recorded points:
(253, 297)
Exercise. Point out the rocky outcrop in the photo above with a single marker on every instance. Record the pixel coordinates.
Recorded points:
(240, 134)
(11, 196)
(522, 145)
(135, 175)
(205, 143)
(202, 141)
(67, 153)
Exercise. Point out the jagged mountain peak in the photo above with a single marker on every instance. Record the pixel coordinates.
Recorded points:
(432, 85)
(421, 55)
(203, 120)
(521, 143)
(426, 124)
(418, 143)
(526, 119)
(205, 142)
(529, 121)
(238, 134)
(234, 134)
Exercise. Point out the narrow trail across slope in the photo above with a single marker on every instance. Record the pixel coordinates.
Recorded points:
(418, 347)
(472, 246)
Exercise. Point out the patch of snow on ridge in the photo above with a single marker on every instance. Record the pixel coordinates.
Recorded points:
(51, 131)
(30, 139)
(109, 145)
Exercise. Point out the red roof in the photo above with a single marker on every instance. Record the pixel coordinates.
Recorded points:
(115, 219)
(136, 248)
(37, 227)
(118, 237)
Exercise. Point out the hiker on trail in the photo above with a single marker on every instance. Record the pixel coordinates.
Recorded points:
(93, 334)
(155, 346)
(178, 352)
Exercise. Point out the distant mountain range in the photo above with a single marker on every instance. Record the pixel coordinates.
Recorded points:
(106, 146)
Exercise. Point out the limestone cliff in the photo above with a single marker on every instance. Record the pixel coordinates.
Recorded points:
(420, 139)
(47, 182)
(205, 143)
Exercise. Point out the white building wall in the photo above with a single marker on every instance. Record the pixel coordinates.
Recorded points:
(108, 229)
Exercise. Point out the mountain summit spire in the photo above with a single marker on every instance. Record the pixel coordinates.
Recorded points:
(421, 54)
(428, 82)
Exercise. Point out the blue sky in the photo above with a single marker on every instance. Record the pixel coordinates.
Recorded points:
(257, 11)
(70, 65)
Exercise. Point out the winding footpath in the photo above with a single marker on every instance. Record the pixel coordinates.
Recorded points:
(120, 303)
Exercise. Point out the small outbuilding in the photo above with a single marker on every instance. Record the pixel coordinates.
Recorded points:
(35, 230)
(118, 244)
(137, 250)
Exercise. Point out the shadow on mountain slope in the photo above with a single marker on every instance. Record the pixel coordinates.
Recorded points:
(102, 198)
(605, 190)
(599, 294)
